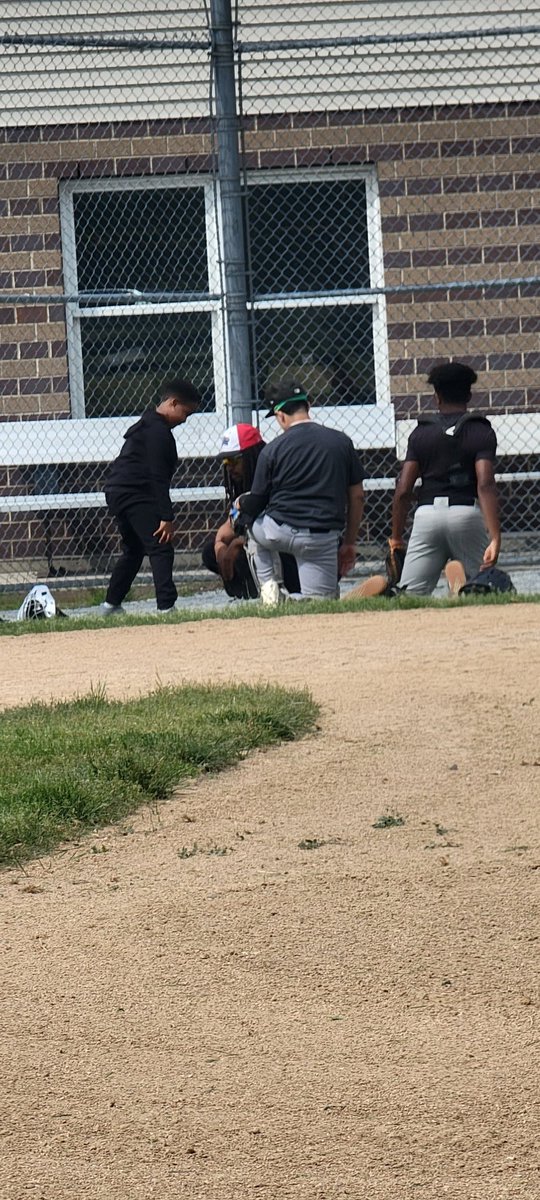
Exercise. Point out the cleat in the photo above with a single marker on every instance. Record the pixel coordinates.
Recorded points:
(271, 594)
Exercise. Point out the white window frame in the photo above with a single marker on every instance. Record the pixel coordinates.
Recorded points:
(75, 314)
(381, 363)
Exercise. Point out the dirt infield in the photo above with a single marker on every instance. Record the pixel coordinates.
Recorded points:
(356, 1017)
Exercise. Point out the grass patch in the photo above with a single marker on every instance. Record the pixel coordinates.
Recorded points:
(217, 851)
(317, 843)
(240, 611)
(83, 763)
(388, 821)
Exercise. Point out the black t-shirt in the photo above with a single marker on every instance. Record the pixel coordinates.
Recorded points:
(145, 466)
(302, 478)
(447, 463)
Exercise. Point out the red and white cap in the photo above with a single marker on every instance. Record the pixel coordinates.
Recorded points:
(238, 438)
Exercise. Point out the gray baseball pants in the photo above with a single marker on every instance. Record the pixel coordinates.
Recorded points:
(316, 555)
(440, 532)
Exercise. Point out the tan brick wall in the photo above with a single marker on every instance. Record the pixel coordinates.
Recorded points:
(33, 351)
(458, 191)
(30, 262)
(459, 203)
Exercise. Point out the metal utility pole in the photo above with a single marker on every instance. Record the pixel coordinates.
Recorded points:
(231, 211)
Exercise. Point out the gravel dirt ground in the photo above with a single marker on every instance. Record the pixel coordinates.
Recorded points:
(354, 1017)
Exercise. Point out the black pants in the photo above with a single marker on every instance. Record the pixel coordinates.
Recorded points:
(137, 523)
(242, 585)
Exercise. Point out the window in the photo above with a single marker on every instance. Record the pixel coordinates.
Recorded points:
(150, 235)
(312, 248)
(126, 357)
(308, 235)
(148, 238)
(309, 242)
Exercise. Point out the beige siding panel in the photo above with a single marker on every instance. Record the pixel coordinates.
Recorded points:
(143, 17)
(63, 86)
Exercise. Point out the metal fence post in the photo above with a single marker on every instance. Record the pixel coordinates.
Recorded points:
(231, 211)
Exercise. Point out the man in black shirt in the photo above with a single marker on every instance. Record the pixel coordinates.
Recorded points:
(137, 493)
(453, 453)
(307, 492)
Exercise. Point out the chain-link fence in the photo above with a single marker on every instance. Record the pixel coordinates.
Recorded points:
(342, 191)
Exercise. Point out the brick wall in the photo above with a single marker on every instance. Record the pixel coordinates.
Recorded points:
(458, 193)
(459, 201)
(88, 537)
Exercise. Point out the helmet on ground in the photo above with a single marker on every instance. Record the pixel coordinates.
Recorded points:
(490, 579)
(38, 604)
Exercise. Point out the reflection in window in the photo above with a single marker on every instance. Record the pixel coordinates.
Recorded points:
(126, 359)
(329, 349)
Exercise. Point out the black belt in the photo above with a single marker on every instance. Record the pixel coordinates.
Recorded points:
(297, 528)
(452, 502)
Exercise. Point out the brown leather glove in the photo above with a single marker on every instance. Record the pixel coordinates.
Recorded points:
(394, 561)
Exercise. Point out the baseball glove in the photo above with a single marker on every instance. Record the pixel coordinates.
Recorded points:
(394, 561)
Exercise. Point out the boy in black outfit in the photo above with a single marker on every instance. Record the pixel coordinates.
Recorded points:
(137, 493)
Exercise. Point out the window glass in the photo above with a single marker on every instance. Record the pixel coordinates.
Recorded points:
(308, 236)
(153, 239)
(126, 359)
(328, 348)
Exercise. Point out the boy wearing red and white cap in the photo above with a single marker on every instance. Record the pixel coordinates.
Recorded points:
(239, 438)
(225, 551)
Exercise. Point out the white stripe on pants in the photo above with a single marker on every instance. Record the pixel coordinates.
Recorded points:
(316, 555)
(441, 532)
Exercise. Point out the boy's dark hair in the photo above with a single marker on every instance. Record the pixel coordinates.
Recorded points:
(281, 397)
(294, 406)
(180, 389)
(453, 382)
